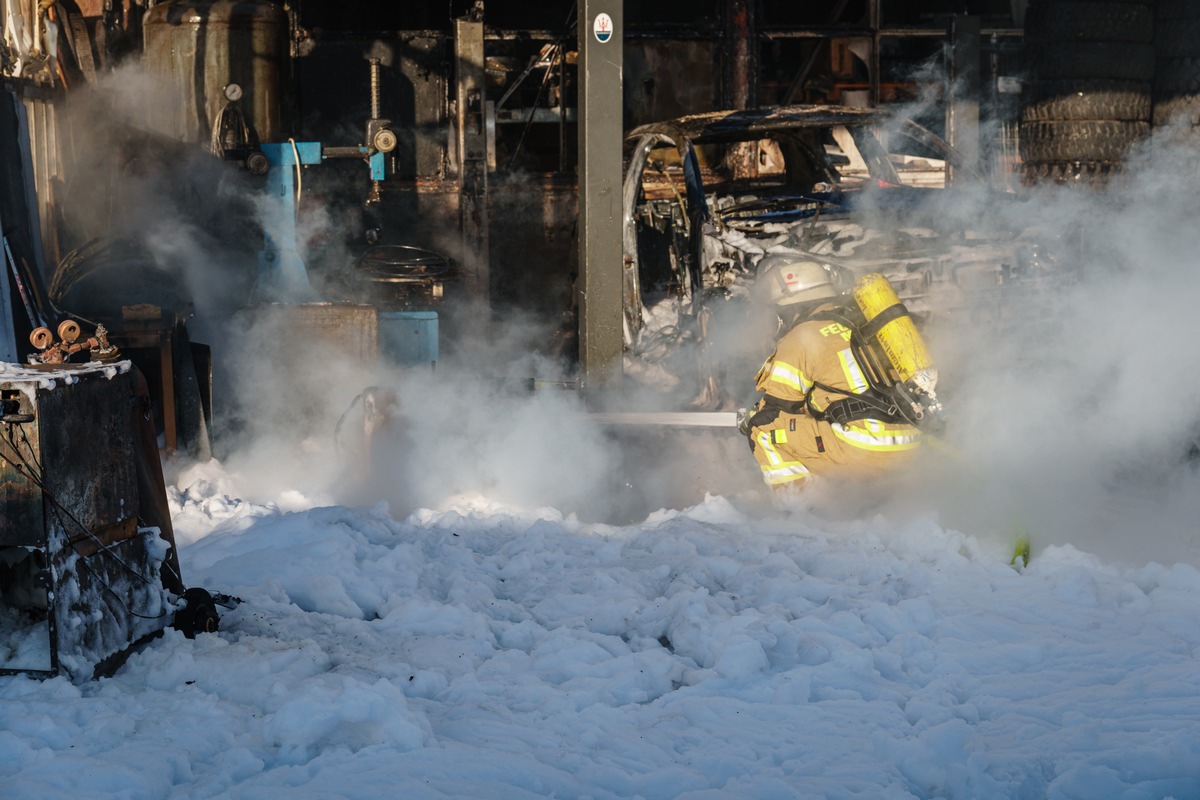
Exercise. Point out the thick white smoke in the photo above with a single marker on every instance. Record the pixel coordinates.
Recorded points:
(1072, 408)
(1084, 409)
(1071, 416)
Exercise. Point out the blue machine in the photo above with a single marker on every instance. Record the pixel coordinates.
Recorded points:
(405, 337)
(409, 337)
(282, 275)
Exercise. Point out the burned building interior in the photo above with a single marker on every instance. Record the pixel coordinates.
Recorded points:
(189, 182)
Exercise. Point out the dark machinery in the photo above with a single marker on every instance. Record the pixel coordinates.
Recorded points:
(88, 564)
(400, 283)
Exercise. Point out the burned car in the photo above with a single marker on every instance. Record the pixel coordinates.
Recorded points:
(707, 196)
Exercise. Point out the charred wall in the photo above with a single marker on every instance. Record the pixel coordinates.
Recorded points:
(675, 62)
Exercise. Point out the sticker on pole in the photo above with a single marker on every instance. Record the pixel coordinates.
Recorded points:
(603, 28)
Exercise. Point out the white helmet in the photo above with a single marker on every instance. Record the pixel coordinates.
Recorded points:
(786, 280)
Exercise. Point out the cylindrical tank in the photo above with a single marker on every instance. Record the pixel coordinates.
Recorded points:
(195, 48)
(897, 335)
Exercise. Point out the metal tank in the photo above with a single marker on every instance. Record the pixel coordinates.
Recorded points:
(196, 49)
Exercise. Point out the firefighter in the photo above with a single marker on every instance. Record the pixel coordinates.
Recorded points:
(817, 415)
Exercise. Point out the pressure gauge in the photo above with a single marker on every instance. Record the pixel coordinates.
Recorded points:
(233, 92)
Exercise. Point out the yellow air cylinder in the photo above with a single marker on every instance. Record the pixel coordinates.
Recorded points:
(896, 333)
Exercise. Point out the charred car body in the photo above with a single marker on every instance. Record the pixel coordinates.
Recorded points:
(860, 191)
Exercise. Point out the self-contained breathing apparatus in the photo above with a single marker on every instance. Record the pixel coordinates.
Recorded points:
(900, 374)
(901, 379)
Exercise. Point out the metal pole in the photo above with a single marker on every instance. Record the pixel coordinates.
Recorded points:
(472, 153)
(601, 128)
(561, 55)
(962, 112)
(874, 10)
(741, 54)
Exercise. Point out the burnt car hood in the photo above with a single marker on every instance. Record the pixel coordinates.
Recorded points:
(725, 126)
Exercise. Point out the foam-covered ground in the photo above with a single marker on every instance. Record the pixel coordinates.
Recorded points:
(484, 651)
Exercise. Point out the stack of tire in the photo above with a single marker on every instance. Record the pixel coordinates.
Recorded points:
(1177, 69)
(1087, 102)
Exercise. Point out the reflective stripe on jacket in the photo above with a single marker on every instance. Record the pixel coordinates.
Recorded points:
(813, 363)
(778, 470)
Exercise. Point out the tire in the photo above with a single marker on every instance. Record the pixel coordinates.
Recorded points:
(1082, 21)
(1084, 141)
(1093, 174)
(1178, 39)
(1176, 76)
(1183, 110)
(1149, 3)
(1088, 99)
(1086, 60)
(1165, 10)
(1176, 94)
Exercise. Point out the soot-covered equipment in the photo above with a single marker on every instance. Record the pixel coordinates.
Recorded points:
(88, 563)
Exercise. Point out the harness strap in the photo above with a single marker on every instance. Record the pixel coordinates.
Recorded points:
(877, 402)
(872, 404)
(876, 324)
(786, 406)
